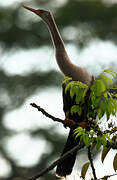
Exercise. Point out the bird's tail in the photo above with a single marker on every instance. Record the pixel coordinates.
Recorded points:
(65, 168)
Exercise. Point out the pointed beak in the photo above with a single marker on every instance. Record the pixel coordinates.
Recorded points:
(33, 10)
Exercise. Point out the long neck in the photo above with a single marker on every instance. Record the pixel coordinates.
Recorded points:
(61, 54)
(55, 35)
(65, 65)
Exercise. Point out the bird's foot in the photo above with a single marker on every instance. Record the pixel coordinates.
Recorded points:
(69, 123)
(83, 124)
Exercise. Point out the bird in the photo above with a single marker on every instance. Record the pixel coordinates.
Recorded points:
(69, 69)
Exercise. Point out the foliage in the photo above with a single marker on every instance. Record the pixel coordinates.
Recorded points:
(100, 100)
(77, 89)
(91, 136)
(84, 169)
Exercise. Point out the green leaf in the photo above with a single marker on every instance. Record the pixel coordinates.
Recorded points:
(68, 86)
(66, 79)
(115, 162)
(106, 106)
(78, 132)
(72, 91)
(99, 143)
(107, 81)
(76, 109)
(110, 71)
(100, 101)
(86, 140)
(104, 153)
(84, 169)
(107, 136)
(98, 87)
(99, 113)
(78, 129)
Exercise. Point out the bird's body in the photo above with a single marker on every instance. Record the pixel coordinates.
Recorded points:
(68, 69)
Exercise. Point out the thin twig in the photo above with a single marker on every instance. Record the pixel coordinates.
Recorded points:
(46, 113)
(112, 144)
(108, 176)
(55, 163)
(91, 162)
(68, 123)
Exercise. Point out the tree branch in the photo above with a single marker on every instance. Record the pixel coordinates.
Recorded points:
(91, 162)
(55, 163)
(106, 177)
(112, 145)
(46, 113)
(67, 122)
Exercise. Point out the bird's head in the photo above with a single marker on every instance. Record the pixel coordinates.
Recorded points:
(40, 12)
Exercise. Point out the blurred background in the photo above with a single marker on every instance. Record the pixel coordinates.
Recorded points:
(29, 141)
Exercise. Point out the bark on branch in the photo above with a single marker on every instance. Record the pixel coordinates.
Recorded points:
(46, 113)
(69, 123)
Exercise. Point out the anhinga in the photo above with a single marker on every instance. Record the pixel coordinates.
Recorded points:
(68, 69)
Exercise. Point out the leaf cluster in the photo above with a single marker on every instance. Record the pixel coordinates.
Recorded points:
(101, 100)
(90, 137)
(78, 91)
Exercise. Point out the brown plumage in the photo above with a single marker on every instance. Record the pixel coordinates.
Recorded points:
(68, 69)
